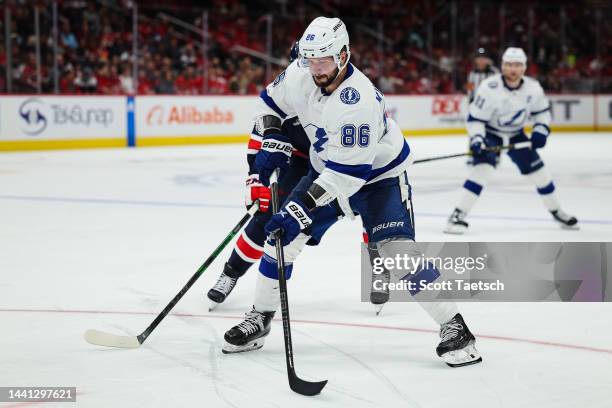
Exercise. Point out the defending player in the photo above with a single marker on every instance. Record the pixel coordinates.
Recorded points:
(501, 108)
(358, 161)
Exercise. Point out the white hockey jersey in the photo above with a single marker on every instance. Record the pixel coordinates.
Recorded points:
(352, 141)
(504, 112)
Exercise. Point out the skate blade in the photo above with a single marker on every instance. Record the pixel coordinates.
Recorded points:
(574, 227)
(378, 308)
(462, 357)
(250, 346)
(455, 229)
(213, 305)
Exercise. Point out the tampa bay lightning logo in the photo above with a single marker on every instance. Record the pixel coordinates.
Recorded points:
(349, 95)
(516, 119)
(31, 111)
(319, 134)
(493, 85)
(279, 78)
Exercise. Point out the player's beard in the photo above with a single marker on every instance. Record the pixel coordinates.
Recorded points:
(326, 79)
(513, 77)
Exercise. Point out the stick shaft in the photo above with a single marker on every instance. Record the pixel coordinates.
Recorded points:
(143, 336)
(519, 145)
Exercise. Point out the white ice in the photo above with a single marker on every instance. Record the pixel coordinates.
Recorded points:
(104, 239)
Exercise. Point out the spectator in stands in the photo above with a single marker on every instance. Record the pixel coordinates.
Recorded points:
(188, 83)
(85, 81)
(126, 82)
(68, 38)
(166, 83)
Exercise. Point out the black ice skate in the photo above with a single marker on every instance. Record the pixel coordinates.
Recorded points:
(224, 286)
(456, 223)
(379, 289)
(249, 334)
(567, 221)
(379, 293)
(457, 345)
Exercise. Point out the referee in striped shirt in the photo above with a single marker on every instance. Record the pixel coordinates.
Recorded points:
(483, 68)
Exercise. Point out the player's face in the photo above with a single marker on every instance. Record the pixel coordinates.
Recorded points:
(513, 71)
(323, 70)
(481, 62)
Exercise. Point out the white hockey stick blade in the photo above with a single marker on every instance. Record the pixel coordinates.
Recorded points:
(110, 340)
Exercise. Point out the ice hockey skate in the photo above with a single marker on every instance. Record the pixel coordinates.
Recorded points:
(249, 334)
(222, 288)
(456, 223)
(457, 344)
(566, 221)
(378, 297)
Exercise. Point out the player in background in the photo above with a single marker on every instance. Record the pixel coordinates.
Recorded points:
(358, 160)
(502, 106)
(483, 69)
(249, 246)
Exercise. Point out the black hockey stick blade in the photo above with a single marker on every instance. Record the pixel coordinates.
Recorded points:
(305, 387)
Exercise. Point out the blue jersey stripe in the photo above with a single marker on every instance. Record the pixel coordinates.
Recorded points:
(403, 155)
(361, 171)
(540, 111)
(475, 119)
(270, 102)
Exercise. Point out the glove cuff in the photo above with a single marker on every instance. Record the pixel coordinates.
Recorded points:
(252, 179)
(476, 139)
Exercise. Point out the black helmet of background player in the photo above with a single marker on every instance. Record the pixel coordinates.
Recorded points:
(295, 52)
(481, 59)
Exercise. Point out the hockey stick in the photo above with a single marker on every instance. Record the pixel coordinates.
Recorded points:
(495, 149)
(112, 340)
(295, 383)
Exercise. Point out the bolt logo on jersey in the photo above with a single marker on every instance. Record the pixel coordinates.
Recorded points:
(349, 95)
(321, 139)
(279, 78)
(517, 118)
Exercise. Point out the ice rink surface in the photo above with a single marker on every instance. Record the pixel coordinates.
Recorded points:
(105, 238)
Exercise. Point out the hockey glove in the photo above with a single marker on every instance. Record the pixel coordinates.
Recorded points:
(292, 219)
(538, 140)
(257, 191)
(477, 145)
(274, 154)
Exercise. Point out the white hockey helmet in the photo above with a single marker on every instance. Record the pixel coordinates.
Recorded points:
(514, 54)
(325, 37)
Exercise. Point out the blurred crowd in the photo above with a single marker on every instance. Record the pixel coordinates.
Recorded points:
(96, 51)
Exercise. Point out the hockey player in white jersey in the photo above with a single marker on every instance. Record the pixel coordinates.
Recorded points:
(358, 163)
(501, 108)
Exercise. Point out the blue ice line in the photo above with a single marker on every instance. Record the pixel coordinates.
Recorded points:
(228, 206)
(115, 201)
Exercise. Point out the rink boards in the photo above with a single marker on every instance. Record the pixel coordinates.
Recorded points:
(33, 122)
